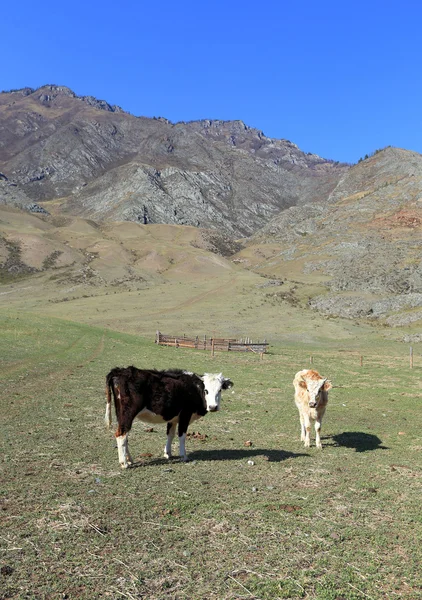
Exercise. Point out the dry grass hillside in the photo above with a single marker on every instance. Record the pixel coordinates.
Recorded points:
(140, 278)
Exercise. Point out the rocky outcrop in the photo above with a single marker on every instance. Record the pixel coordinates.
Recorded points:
(12, 195)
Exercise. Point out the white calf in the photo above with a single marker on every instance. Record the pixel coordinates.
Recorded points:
(311, 397)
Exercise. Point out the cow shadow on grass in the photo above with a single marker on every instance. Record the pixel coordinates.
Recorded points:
(361, 442)
(212, 455)
(241, 454)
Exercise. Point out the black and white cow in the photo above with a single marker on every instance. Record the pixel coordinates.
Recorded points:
(174, 397)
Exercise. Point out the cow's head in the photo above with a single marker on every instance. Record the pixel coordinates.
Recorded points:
(213, 384)
(314, 388)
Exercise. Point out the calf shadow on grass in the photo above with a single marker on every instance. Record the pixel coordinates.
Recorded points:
(361, 442)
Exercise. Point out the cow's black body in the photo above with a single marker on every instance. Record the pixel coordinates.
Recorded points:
(174, 397)
(167, 394)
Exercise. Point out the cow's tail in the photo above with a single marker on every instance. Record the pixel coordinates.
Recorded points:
(108, 401)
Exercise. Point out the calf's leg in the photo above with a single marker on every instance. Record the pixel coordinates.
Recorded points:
(302, 427)
(307, 430)
(317, 433)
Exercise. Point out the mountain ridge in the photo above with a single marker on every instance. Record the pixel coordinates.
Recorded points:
(57, 146)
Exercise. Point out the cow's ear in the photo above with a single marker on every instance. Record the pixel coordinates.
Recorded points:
(302, 384)
(327, 385)
(227, 383)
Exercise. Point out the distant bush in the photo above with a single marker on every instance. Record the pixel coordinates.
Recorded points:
(373, 153)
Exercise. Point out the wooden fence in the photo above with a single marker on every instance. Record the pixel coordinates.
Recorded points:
(211, 343)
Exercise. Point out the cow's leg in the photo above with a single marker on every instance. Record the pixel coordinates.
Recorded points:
(171, 430)
(307, 429)
(122, 432)
(182, 449)
(302, 427)
(124, 423)
(184, 420)
(318, 433)
(125, 458)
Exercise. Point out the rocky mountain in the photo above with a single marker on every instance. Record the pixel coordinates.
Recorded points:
(348, 239)
(97, 161)
(362, 248)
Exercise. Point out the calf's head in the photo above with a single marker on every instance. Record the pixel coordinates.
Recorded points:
(213, 384)
(314, 387)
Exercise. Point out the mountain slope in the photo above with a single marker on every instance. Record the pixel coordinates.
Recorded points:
(107, 164)
(135, 278)
(363, 246)
(80, 251)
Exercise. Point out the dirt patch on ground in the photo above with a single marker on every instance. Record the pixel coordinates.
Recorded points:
(410, 219)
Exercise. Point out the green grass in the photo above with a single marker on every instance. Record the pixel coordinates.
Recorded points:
(344, 523)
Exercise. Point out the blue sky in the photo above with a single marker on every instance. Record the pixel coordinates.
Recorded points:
(340, 79)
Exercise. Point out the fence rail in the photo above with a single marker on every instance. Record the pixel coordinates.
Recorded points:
(211, 343)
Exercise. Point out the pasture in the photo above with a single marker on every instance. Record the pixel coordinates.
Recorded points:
(343, 523)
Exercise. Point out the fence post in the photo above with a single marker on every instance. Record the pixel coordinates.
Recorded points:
(361, 360)
(212, 347)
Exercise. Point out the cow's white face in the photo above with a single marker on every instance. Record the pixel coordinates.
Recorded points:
(315, 387)
(213, 384)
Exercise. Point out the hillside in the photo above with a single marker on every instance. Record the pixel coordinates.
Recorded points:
(139, 278)
(362, 248)
(97, 161)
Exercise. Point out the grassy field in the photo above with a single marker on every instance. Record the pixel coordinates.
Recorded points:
(341, 524)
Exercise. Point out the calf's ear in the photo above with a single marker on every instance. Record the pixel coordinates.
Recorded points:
(327, 386)
(227, 383)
